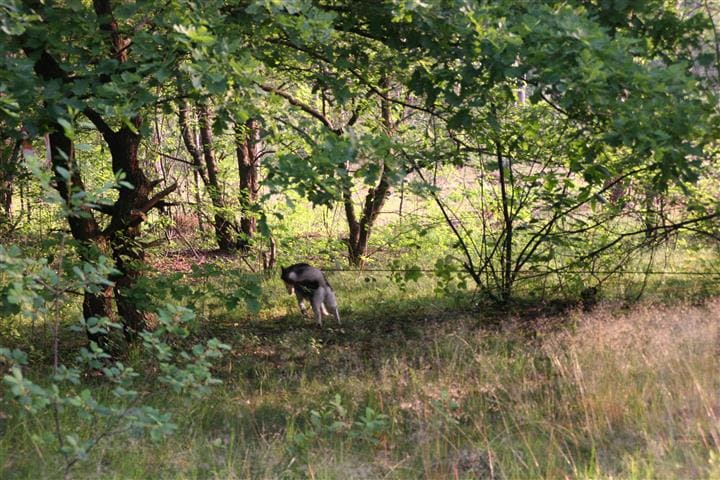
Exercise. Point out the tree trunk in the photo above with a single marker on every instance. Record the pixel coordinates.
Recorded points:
(205, 166)
(98, 304)
(354, 253)
(223, 224)
(374, 200)
(247, 156)
(198, 202)
(506, 252)
(9, 155)
(85, 229)
(360, 230)
(128, 213)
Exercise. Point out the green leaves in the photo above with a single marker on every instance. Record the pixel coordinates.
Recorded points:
(403, 273)
(318, 174)
(29, 395)
(14, 19)
(14, 356)
(184, 371)
(198, 35)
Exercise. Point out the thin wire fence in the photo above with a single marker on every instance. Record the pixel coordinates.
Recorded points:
(529, 272)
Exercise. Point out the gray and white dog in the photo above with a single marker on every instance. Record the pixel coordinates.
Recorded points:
(309, 283)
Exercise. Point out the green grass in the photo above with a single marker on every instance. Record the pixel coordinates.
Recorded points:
(427, 381)
(413, 385)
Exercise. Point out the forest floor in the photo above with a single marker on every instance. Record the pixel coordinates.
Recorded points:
(420, 384)
(184, 260)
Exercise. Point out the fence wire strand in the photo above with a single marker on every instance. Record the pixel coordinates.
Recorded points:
(528, 272)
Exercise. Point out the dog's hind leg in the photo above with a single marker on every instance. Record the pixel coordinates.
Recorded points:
(331, 303)
(317, 305)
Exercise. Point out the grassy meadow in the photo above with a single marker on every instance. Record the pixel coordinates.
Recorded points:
(414, 384)
(423, 378)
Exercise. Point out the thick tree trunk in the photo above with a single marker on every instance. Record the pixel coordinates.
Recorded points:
(98, 304)
(247, 156)
(128, 260)
(127, 214)
(125, 224)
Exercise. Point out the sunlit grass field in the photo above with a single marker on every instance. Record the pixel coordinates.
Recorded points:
(419, 384)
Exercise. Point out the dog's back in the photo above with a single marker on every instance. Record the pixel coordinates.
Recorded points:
(306, 278)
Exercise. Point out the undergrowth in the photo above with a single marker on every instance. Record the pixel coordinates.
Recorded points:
(415, 384)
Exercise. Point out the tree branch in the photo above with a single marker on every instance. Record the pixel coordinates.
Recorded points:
(137, 215)
(302, 106)
(99, 123)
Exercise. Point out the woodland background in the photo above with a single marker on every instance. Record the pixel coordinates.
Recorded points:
(515, 202)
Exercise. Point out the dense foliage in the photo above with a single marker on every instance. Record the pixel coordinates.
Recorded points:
(549, 143)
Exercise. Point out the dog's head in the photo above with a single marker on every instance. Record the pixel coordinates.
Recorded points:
(286, 276)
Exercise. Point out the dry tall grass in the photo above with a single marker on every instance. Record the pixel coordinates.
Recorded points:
(612, 394)
(646, 384)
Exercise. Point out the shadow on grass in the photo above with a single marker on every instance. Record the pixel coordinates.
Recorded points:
(374, 330)
(378, 321)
